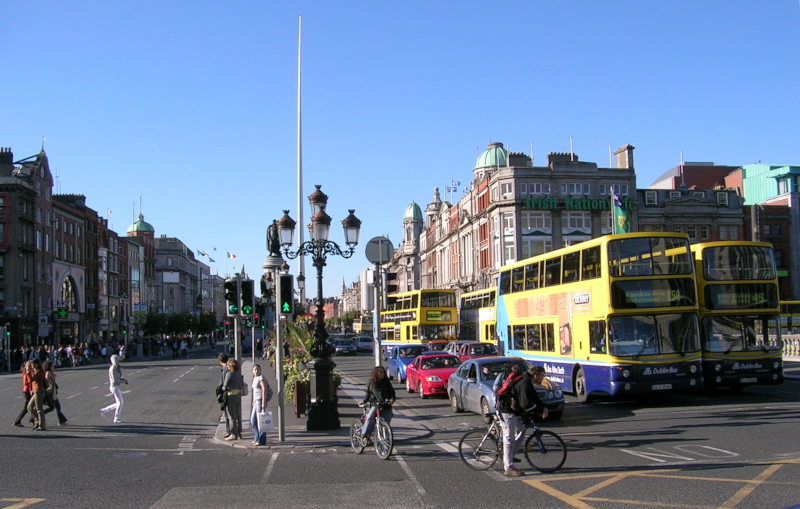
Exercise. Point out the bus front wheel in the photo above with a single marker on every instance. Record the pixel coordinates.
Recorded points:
(580, 386)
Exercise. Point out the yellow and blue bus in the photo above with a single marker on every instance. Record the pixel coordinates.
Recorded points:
(790, 327)
(419, 316)
(477, 316)
(737, 288)
(615, 315)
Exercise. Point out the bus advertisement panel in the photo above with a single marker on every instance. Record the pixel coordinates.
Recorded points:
(609, 316)
(740, 324)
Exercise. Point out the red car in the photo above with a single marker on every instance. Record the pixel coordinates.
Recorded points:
(476, 349)
(428, 374)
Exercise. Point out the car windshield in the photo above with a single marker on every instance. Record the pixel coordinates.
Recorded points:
(440, 362)
(438, 347)
(345, 342)
(411, 351)
(490, 371)
(485, 349)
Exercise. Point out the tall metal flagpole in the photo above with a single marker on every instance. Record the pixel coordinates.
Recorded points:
(301, 268)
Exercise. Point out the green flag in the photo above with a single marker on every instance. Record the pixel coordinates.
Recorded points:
(621, 219)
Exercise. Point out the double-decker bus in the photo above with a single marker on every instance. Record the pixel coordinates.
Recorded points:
(737, 287)
(614, 315)
(477, 316)
(419, 316)
(790, 327)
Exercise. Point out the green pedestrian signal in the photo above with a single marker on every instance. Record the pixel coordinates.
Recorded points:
(287, 294)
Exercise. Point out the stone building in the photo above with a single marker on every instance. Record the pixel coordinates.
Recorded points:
(176, 276)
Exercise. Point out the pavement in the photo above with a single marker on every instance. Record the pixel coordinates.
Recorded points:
(791, 367)
(349, 393)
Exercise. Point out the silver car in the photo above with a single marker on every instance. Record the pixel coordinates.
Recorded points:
(470, 388)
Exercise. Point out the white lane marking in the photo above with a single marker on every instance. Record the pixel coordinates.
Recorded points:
(270, 466)
(4, 390)
(183, 375)
(449, 447)
(410, 474)
(95, 387)
(74, 395)
(452, 448)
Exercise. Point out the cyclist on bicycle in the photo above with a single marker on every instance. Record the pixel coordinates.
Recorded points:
(523, 401)
(380, 392)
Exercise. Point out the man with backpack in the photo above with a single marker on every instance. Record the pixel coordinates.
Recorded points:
(516, 396)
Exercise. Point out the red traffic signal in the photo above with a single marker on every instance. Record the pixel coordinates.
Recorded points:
(256, 317)
(227, 323)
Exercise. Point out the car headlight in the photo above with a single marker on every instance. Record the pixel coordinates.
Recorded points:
(433, 378)
(558, 392)
(550, 395)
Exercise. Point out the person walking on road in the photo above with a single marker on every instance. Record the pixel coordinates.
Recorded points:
(26, 392)
(52, 392)
(260, 392)
(38, 388)
(115, 380)
(233, 386)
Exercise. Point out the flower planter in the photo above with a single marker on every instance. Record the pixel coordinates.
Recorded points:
(300, 397)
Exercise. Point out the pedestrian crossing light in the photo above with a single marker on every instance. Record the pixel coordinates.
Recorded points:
(247, 296)
(286, 302)
(232, 296)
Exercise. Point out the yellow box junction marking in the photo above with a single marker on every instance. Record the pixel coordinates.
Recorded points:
(581, 499)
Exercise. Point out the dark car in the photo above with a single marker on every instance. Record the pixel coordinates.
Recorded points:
(471, 387)
(476, 349)
(345, 347)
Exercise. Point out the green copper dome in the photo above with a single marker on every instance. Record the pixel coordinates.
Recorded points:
(140, 226)
(413, 212)
(495, 155)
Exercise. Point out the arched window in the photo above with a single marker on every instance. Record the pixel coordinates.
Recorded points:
(68, 294)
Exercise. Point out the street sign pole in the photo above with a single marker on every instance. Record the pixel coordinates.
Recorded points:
(379, 250)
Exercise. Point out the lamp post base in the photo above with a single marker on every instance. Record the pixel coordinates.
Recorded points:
(323, 413)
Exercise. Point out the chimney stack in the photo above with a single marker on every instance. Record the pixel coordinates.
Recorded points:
(624, 156)
(6, 157)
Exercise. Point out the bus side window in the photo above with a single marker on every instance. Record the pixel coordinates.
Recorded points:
(534, 340)
(571, 265)
(517, 279)
(597, 337)
(549, 342)
(552, 271)
(590, 263)
(505, 282)
(532, 276)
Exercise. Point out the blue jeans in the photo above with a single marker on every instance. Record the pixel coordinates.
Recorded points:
(369, 425)
(258, 436)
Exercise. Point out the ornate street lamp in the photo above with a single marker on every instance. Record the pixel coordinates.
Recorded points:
(323, 413)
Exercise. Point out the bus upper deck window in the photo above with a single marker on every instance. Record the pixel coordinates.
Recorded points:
(532, 276)
(505, 282)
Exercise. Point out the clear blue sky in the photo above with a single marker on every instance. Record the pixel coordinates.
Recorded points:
(192, 105)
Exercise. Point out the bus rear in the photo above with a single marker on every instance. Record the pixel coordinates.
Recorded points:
(739, 314)
(477, 321)
(419, 316)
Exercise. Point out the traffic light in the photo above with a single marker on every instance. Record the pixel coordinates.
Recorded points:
(247, 297)
(227, 323)
(391, 282)
(286, 303)
(232, 296)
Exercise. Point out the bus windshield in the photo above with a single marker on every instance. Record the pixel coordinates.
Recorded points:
(438, 300)
(446, 332)
(648, 256)
(632, 336)
(743, 263)
(739, 333)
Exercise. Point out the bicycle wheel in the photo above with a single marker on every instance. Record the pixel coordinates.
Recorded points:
(384, 439)
(355, 437)
(478, 450)
(545, 451)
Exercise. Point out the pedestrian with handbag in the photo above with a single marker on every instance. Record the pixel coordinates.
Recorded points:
(261, 395)
(234, 387)
(51, 394)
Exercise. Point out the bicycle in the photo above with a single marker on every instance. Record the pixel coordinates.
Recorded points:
(384, 438)
(544, 450)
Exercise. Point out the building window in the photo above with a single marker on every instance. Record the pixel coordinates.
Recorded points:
(674, 194)
(648, 228)
(578, 221)
(722, 198)
(678, 229)
(778, 258)
(723, 233)
(506, 189)
(510, 254)
(536, 220)
(767, 230)
(540, 188)
(523, 188)
(495, 193)
(658, 228)
(169, 262)
(508, 222)
(58, 249)
(704, 232)
(47, 242)
(734, 233)
(533, 247)
(79, 232)
(651, 198)
(699, 194)
(691, 231)
(38, 239)
(776, 230)
(2, 264)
